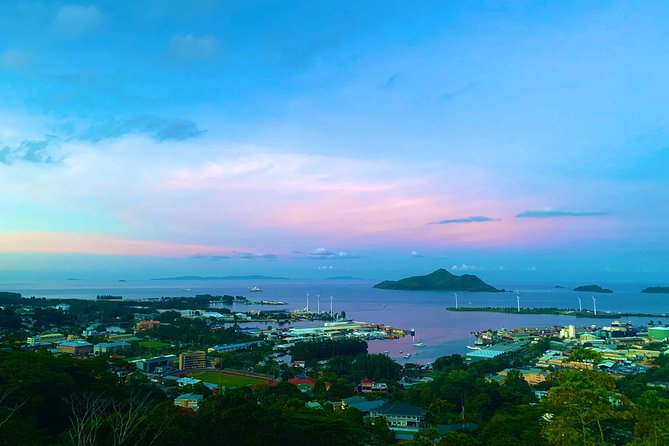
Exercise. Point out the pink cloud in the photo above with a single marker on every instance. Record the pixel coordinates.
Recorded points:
(57, 242)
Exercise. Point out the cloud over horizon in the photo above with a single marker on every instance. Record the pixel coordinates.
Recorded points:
(476, 219)
(326, 254)
(549, 213)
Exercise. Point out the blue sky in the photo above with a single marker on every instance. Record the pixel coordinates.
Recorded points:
(312, 139)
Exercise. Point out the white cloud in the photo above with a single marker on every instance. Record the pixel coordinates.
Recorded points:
(76, 20)
(190, 48)
(464, 267)
(14, 59)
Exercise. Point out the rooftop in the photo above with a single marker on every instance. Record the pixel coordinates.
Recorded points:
(400, 409)
(189, 396)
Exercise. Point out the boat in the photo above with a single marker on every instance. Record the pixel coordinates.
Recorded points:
(417, 343)
(255, 289)
(407, 356)
(474, 347)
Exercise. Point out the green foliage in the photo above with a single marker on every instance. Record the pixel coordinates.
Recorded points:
(319, 349)
(9, 319)
(585, 408)
(376, 367)
(584, 355)
(518, 426)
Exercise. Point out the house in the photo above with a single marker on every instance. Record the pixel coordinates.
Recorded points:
(155, 364)
(361, 404)
(109, 347)
(75, 347)
(147, 324)
(307, 384)
(532, 375)
(400, 416)
(186, 381)
(189, 401)
(192, 360)
(368, 386)
(51, 338)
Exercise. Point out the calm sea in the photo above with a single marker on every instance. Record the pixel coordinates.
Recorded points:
(442, 331)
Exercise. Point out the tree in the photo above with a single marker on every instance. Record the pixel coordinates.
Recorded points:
(129, 416)
(87, 413)
(584, 355)
(583, 406)
(652, 420)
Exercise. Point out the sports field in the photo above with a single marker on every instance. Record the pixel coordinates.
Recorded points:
(228, 380)
(154, 344)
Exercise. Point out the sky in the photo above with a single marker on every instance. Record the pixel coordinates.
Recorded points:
(376, 139)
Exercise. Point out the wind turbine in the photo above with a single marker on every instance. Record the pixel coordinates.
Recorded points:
(456, 300)
(594, 304)
(331, 305)
(580, 307)
(518, 299)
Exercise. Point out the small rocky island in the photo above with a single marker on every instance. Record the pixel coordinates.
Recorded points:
(593, 289)
(440, 280)
(656, 290)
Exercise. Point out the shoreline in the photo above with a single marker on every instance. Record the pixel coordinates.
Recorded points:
(555, 311)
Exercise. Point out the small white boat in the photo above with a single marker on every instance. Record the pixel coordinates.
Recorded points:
(418, 344)
(407, 356)
(255, 289)
(475, 347)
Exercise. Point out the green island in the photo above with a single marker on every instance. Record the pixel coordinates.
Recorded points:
(439, 280)
(555, 311)
(593, 289)
(656, 290)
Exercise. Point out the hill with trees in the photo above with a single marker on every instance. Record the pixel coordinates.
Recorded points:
(439, 280)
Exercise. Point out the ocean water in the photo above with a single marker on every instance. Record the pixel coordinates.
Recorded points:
(443, 332)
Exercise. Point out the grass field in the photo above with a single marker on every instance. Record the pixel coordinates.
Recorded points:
(154, 344)
(227, 380)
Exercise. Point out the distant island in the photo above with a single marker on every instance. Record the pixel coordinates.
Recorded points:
(656, 290)
(558, 286)
(440, 280)
(593, 289)
(251, 277)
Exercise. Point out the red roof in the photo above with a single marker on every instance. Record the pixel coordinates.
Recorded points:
(309, 381)
(298, 381)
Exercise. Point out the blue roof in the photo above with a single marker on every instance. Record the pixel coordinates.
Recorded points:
(363, 405)
(112, 344)
(240, 345)
(75, 343)
(189, 396)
